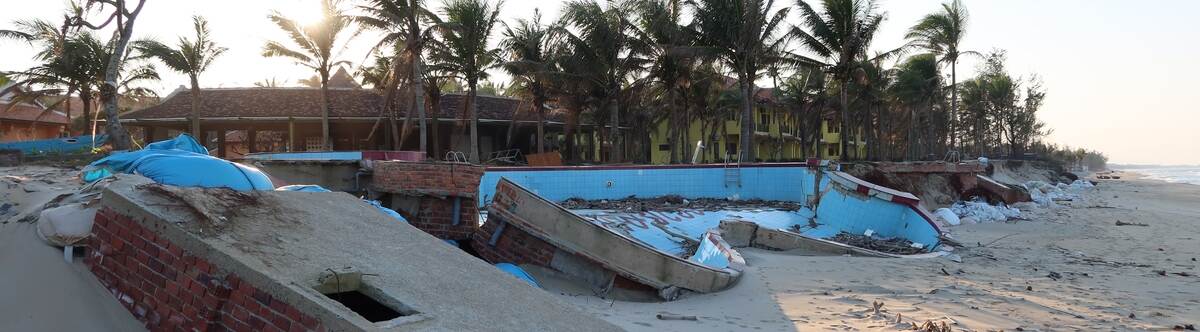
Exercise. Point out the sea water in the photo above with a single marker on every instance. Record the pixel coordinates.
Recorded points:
(1173, 174)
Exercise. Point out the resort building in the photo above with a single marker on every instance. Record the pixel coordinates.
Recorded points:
(778, 136)
(24, 121)
(237, 121)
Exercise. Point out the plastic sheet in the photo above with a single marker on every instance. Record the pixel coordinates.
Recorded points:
(948, 216)
(180, 161)
(312, 188)
(982, 212)
(518, 272)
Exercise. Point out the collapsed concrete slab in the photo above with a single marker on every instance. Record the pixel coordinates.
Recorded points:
(526, 225)
(268, 260)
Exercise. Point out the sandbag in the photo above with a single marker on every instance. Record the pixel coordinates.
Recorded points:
(948, 216)
(66, 225)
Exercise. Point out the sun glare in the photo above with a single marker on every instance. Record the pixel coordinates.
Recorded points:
(305, 12)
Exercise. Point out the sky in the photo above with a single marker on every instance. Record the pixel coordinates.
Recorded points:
(1119, 74)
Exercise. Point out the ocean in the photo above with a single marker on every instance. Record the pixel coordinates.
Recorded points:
(1174, 174)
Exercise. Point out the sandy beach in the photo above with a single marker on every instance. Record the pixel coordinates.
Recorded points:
(1068, 268)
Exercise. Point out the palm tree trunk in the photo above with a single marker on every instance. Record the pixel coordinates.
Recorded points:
(85, 97)
(747, 131)
(843, 136)
(195, 106)
(471, 100)
(325, 106)
(539, 102)
(614, 118)
(569, 134)
(953, 103)
(418, 91)
(435, 107)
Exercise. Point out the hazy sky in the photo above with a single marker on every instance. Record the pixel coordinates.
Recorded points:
(1119, 74)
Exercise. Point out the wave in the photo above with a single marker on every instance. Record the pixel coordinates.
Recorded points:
(1177, 174)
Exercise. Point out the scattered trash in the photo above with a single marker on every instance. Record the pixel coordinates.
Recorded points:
(896, 246)
(1054, 275)
(676, 202)
(1185, 327)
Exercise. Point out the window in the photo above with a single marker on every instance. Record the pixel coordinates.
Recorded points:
(664, 147)
(833, 150)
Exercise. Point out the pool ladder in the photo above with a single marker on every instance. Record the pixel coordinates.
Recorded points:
(733, 173)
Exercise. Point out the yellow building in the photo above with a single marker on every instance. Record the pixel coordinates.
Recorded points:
(776, 137)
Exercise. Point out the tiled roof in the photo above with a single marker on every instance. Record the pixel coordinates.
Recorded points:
(264, 102)
(305, 102)
(26, 112)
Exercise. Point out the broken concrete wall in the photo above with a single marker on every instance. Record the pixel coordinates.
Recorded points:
(438, 198)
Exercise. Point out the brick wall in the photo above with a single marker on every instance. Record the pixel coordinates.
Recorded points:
(169, 289)
(434, 187)
(513, 246)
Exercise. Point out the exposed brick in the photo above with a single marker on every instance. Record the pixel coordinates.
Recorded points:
(168, 289)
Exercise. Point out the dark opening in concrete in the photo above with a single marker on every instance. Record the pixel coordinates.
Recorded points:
(365, 306)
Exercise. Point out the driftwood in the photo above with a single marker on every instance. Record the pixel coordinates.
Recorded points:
(1122, 223)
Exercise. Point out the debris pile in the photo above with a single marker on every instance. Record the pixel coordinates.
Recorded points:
(896, 246)
(981, 212)
(1045, 194)
(676, 202)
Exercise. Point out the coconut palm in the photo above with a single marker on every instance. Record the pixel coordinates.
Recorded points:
(941, 33)
(600, 44)
(741, 33)
(408, 27)
(842, 33)
(316, 49)
(190, 56)
(528, 46)
(671, 56)
(916, 90)
(464, 52)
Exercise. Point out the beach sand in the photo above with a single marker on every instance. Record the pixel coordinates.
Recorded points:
(1069, 268)
(1104, 276)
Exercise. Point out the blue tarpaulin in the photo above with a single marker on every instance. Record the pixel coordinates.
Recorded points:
(518, 272)
(312, 188)
(68, 145)
(180, 161)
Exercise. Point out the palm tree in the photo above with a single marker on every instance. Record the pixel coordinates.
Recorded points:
(191, 57)
(941, 33)
(916, 89)
(741, 33)
(671, 55)
(465, 53)
(842, 32)
(408, 28)
(316, 50)
(600, 39)
(529, 46)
